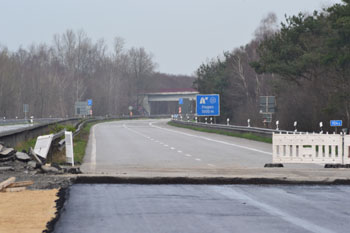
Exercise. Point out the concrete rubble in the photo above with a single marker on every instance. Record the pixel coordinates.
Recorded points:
(29, 163)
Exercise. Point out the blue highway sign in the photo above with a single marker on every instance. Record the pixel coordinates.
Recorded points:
(208, 105)
(89, 102)
(181, 101)
(336, 123)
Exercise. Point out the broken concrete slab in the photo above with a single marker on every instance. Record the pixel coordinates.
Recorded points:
(32, 164)
(8, 158)
(6, 169)
(22, 156)
(5, 152)
(47, 169)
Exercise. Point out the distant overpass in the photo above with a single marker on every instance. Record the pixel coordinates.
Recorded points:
(166, 101)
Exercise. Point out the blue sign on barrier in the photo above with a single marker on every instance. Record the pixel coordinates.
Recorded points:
(208, 105)
(181, 101)
(336, 123)
(89, 102)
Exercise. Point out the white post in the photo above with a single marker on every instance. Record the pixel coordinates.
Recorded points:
(69, 147)
(211, 120)
(196, 118)
(295, 126)
(206, 120)
(228, 121)
(277, 123)
(321, 125)
(248, 122)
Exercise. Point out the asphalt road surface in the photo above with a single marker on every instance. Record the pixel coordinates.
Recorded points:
(205, 208)
(153, 148)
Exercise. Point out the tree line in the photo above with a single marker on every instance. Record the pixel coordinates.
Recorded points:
(304, 62)
(51, 78)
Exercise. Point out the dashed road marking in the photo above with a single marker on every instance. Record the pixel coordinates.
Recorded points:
(211, 165)
(172, 148)
(198, 159)
(211, 140)
(188, 155)
(179, 151)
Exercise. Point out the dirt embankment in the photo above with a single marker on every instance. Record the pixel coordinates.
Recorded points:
(27, 211)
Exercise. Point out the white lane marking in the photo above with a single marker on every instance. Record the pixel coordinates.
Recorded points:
(165, 145)
(274, 211)
(188, 155)
(156, 141)
(211, 140)
(211, 165)
(172, 148)
(179, 151)
(93, 150)
(198, 159)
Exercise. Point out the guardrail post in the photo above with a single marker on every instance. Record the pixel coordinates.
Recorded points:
(211, 120)
(277, 123)
(295, 126)
(206, 120)
(228, 121)
(248, 122)
(196, 118)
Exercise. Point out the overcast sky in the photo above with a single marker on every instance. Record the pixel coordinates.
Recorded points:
(181, 34)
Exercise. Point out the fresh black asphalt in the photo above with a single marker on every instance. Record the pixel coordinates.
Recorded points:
(205, 208)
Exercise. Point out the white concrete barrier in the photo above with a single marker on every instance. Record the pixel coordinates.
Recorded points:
(308, 148)
(347, 149)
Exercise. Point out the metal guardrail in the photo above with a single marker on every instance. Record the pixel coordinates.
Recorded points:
(242, 129)
(4, 122)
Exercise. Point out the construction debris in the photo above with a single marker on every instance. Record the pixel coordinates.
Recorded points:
(28, 164)
(33, 165)
(6, 169)
(47, 169)
(18, 189)
(34, 156)
(21, 184)
(22, 156)
(6, 154)
(10, 185)
(7, 182)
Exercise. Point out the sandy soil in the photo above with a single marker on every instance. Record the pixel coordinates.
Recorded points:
(27, 211)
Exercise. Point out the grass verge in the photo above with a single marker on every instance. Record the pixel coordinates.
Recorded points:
(249, 136)
(26, 145)
(80, 141)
